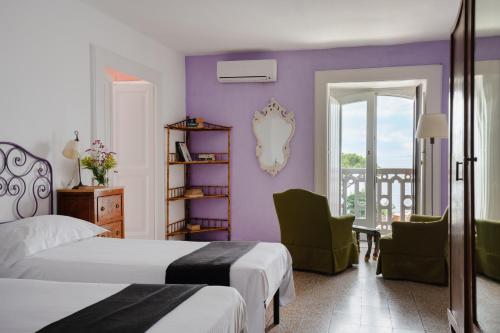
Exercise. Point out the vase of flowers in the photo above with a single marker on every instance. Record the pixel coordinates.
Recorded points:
(99, 161)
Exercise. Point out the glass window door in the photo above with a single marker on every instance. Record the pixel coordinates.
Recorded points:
(394, 168)
(375, 148)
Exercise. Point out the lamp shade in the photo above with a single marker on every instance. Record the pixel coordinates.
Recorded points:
(72, 150)
(432, 125)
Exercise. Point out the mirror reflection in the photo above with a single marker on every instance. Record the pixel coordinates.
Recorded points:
(273, 127)
(486, 168)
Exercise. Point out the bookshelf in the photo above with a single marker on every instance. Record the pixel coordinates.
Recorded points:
(210, 191)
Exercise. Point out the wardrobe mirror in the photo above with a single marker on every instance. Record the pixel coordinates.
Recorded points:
(486, 135)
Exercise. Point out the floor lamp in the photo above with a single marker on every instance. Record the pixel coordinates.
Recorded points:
(432, 126)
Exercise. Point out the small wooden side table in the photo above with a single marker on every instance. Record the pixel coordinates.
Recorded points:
(372, 234)
(99, 205)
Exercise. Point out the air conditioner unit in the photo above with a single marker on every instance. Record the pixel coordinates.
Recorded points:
(247, 71)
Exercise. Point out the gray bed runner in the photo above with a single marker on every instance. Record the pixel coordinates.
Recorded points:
(133, 309)
(210, 264)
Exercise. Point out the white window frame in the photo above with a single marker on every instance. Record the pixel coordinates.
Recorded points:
(430, 75)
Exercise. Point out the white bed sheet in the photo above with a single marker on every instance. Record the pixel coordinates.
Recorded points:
(29, 305)
(256, 275)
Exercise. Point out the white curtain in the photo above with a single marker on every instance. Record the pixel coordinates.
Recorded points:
(487, 145)
(334, 167)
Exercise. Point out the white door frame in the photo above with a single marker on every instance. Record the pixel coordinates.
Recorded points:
(430, 75)
(100, 60)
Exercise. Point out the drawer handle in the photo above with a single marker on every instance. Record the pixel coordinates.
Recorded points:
(117, 206)
(102, 208)
(117, 232)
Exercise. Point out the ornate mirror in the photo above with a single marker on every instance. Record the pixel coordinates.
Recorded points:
(273, 127)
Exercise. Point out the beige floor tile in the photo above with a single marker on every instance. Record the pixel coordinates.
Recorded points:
(358, 301)
(344, 328)
(352, 307)
(346, 318)
(436, 322)
(374, 329)
(406, 320)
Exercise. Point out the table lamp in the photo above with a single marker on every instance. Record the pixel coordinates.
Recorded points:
(72, 152)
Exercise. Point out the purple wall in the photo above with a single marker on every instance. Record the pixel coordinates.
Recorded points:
(488, 48)
(253, 214)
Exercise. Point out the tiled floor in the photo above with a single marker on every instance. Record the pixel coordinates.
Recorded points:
(488, 304)
(357, 301)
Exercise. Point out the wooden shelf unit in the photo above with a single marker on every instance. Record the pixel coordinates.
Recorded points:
(213, 192)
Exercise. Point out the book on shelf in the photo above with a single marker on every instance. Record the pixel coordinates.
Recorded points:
(191, 122)
(206, 157)
(193, 193)
(183, 152)
(195, 122)
(193, 227)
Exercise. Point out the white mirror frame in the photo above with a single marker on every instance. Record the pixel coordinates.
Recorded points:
(260, 116)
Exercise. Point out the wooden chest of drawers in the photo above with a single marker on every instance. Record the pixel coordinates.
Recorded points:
(100, 205)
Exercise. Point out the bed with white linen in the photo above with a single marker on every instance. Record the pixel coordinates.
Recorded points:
(257, 275)
(30, 305)
(56, 251)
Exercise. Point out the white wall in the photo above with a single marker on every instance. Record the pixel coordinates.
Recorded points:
(45, 73)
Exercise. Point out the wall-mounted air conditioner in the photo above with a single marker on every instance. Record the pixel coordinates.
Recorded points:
(247, 71)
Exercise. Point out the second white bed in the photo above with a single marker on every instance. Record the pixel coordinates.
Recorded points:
(256, 275)
(29, 305)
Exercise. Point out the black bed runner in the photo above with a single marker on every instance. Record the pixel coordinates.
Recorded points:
(210, 264)
(133, 309)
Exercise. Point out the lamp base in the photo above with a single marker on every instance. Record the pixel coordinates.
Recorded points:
(80, 185)
(76, 187)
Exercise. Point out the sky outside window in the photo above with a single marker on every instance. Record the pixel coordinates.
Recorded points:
(394, 131)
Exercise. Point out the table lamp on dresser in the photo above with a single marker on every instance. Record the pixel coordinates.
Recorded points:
(72, 152)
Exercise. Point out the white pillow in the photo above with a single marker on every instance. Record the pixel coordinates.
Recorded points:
(25, 237)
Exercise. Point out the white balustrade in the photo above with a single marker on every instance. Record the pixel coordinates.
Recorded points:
(393, 195)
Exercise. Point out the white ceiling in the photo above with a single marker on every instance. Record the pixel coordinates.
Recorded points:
(213, 26)
(488, 17)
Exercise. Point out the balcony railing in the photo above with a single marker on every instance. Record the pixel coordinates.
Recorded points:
(393, 196)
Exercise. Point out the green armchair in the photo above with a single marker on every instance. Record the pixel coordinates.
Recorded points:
(416, 250)
(488, 248)
(317, 241)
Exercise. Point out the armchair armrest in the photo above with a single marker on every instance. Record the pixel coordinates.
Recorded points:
(341, 230)
(421, 239)
(424, 218)
(488, 234)
(387, 244)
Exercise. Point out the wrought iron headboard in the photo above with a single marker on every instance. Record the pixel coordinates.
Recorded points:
(26, 179)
